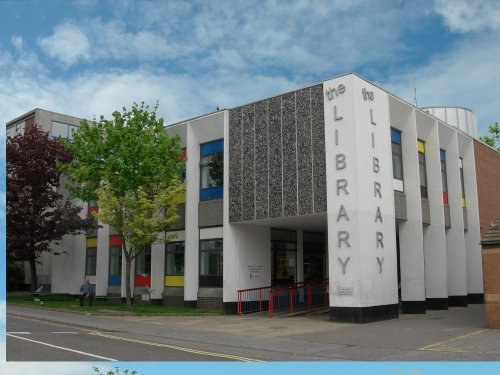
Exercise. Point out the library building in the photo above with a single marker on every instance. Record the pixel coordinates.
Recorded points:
(339, 195)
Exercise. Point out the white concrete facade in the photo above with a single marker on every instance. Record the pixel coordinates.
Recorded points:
(366, 244)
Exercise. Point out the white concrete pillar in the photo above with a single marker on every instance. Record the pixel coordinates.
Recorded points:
(411, 235)
(472, 234)
(102, 268)
(191, 260)
(157, 270)
(436, 284)
(455, 239)
(360, 200)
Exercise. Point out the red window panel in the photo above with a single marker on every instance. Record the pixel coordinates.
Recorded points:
(142, 281)
(93, 209)
(183, 155)
(445, 198)
(115, 241)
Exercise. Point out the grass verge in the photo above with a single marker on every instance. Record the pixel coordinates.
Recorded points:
(102, 307)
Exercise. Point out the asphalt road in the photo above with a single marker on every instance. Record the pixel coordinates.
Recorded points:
(29, 339)
(457, 334)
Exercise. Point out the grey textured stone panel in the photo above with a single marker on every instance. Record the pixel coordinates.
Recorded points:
(400, 205)
(289, 155)
(235, 172)
(447, 216)
(426, 211)
(304, 152)
(261, 161)
(318, 141)
(466, 221)
(181, 211)
(275, 150)
(210, 213)
(248, 149)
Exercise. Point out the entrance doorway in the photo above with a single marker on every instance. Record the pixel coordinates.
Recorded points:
(284, 257)
(314, 257)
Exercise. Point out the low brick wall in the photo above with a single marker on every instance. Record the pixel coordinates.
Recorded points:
(210, 303)
(210, 299)
(491, 274)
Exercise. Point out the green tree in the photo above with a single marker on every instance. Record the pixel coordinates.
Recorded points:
(492, 140)
(132, 167)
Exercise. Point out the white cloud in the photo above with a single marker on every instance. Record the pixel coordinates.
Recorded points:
(68, 44)
(17, 42)
(300, 36)
(466, 77)
(465, 16)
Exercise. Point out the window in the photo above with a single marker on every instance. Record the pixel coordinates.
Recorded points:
(174, 259)
(16, 129)
(211, 170)
(397, 159)
(211, 262)
(314, 257)
(182, 169)
(61, 130)
(422, 169)
(143, 262)
(115, 261)
(284, 257)
(91, 257)
(444, 177)
(462, 182)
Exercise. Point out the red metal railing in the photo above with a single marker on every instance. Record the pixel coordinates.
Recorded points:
(283, 299)
(253, 300)
(301, 297)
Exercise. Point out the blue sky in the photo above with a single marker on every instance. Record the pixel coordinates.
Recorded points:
(86, 58)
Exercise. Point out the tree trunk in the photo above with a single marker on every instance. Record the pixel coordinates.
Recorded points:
(128, 263)
(34, 284)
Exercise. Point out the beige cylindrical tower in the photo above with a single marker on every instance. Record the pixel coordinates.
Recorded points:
(461, 118)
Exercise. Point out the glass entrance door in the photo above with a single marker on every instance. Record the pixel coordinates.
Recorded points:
(314, 257)
(284, 257)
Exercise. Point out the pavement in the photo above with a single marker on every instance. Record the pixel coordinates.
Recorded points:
(457, 334)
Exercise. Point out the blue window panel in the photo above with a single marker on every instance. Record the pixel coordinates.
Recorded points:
(115, 280)
(211, 193)
(395, 135)
(212, 147)
(442, 154)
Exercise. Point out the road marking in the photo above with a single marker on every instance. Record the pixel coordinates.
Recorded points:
(20, 333)
(97, 333)
(66, 333)
(62, 348)
(180, 348)
(435, 347)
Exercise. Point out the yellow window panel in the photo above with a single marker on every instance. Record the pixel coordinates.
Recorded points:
(179, 198)
(92, 242)
(421, 146)
(174, 280)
